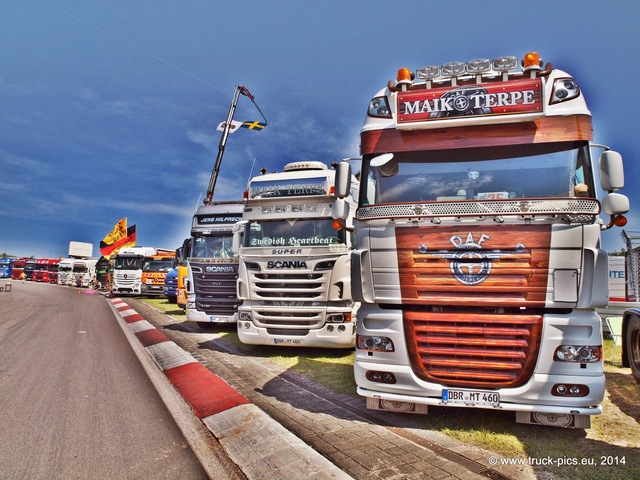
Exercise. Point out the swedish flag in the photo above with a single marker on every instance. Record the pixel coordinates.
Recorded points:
(253, 125)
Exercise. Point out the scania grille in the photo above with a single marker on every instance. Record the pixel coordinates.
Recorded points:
(474, 350)
(288, 317)
(290, 297)
(310, 287)
(216, 293)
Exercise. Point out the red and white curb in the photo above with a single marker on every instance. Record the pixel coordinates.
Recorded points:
(258, 444)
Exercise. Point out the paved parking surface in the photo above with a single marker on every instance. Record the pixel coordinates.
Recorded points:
(362, 443)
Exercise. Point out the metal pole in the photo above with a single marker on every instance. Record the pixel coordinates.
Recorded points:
(221, 146)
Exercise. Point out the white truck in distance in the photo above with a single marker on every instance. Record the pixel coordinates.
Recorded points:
(478, 261)
(68, 273)
(65, 269)
(127, 269)
(294, 278)
(83, 271)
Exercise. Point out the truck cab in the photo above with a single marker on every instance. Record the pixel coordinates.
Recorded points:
(127, 270)
(478, 263)
(154, 271)
(213, 265)
(294, 279)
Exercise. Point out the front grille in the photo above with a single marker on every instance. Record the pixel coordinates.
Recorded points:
(489, 266)
(288, 332)
(580, 210)
(290, 296)
(457, 285)
(215, 289)
(124, 282)
(473, 350)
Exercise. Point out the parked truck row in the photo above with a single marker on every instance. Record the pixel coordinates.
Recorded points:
(462, 259)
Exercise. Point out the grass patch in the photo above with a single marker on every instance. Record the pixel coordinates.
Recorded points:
(163, 304)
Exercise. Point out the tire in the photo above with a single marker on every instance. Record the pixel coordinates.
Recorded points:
(632, 345)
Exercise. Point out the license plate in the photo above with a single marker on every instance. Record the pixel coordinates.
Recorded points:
(470, 397)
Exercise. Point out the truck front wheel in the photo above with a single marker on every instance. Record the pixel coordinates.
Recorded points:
(632, 346)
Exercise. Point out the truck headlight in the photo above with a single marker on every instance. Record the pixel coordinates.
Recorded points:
(375, 343)
(339, 318)
(564, 89)
(578, 353)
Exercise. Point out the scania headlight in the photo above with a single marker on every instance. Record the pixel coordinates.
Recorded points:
(578, 353)
(375, 343)
(338, 317)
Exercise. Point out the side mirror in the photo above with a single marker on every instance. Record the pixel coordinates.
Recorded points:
(611, 171)
(238, 229)
(342, 182)
(340, 209)
(615, 204)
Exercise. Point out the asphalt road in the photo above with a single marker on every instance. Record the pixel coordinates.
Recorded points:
(75, 401)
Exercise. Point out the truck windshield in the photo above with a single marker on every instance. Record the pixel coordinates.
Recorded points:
(128, 263)
(293, 232)
(212, 246)
(157, 265)
(491, 173)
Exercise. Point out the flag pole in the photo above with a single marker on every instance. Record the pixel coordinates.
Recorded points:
(223, 143)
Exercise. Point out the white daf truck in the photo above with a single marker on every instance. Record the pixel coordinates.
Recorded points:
(294, 277)
(478, 262)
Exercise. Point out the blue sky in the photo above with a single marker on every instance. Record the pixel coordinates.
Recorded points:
(109, 109)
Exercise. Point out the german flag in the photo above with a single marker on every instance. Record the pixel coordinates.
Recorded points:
(119, 237)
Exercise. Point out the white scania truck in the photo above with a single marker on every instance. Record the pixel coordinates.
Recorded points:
(212, 264)
(294, 278)
(478, 261)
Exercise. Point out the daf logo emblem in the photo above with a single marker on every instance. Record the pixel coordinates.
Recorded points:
(470, 264)
(470, 267)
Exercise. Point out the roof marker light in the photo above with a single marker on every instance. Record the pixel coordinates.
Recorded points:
(564, 89)
(379, 107)
(404, 76)
(532, 62)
